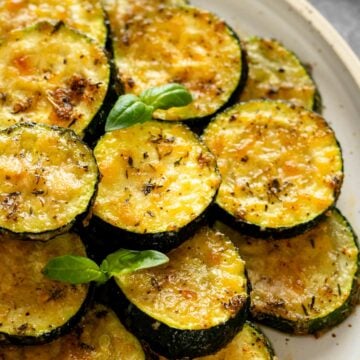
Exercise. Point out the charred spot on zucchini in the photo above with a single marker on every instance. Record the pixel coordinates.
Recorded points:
(276, 73)
(52, 74)
(99, 335)
(86, 16)
(34, 309)
(179, 44)
(157, 181)
(281, 167)
(48, 180)
(305, 284)
(194, 304)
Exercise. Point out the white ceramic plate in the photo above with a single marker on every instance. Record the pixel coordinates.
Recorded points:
(337, 72)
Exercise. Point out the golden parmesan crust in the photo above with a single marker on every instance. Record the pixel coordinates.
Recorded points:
(303, 278)
(180, 44)
(53, 75)
(202, 286)
(99, 336)
(48, 177)
(30, 303)
(276, 73)
(155, 177)
(85, 16)
(281, 165)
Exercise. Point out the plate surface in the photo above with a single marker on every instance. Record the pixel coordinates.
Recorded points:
(337, 72)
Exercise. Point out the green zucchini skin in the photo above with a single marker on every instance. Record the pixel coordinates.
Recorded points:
(158, 181)
(34, 313)
(29, 188)
(276, 73)
(249, 343)
(311, 316)
(98, 335)
(168, 333)
(263, 149)
(210, 95)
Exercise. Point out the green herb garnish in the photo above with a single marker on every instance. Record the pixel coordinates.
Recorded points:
(131, 109)
(80, 270)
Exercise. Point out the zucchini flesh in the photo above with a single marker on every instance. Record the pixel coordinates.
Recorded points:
(193, 305)
(98, 336)
(180, 44)
(51, 74)
(33, 308)
(48, 179)
(304, 284)
(277, 73)
(155, 177)
(281, 166)
(85, 16)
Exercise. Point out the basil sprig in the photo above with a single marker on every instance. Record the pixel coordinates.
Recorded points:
(79, 270)
(130, 109)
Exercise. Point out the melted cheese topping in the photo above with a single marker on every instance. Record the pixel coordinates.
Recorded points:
(83, 15)
(202, 286)
(179, 44)
(155, 177)
(99, 336)
(30, 303)
(276, 73)
(281, 166)
(53, 75)
(302, 278)
(47, 178)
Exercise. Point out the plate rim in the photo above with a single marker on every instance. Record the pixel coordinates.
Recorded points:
(331, 36)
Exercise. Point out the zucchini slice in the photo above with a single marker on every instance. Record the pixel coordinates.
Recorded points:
(249, 344)
(157, 181)
(99, 335)
(180, 44)
(281, 167)
(33, 308)
(276, 73)
(48, 179)
(86, 16)
(193, 305)
(304, 284)
(51, 74)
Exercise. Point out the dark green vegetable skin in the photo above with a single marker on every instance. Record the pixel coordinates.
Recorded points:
(104, 238)
(54, 333)
(170, 342)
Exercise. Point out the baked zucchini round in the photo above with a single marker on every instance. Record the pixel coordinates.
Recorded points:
(99, 335)
(52, 74)
(304, 284)
(193, 305)
(180, 44)
(157, 181)
(33, 308)
(86, 16)
(274, 72)
(281, 167)
(48, 178)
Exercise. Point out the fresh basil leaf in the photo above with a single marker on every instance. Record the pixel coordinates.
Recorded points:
(128, 110)
(124, 261)
(166, 96)
(74, 269)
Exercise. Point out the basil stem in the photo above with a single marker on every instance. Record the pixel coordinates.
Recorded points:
(130, 109)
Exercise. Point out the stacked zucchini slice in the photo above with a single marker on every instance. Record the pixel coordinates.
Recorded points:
(246, 211)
